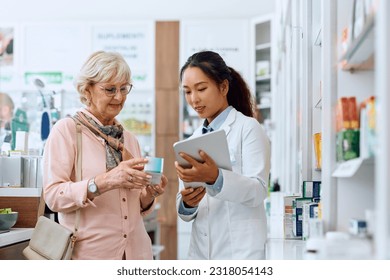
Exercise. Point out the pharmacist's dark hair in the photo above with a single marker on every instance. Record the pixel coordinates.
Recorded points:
(214, 67)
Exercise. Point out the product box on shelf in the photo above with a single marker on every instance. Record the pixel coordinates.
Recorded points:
(297, 214)
(311, 189)
(11, 171)
(346, 114)
(32, 171)
(289, 217)
(358, 227)
(309, 211)
(347, 144)
(368, 127)
(317, 139)
(276, 214)
(347, 128)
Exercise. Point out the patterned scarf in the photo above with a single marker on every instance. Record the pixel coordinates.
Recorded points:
(113, 136)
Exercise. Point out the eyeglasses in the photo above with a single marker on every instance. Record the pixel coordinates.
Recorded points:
(111, 91)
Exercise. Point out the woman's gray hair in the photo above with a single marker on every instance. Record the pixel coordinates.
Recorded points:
(101, 67)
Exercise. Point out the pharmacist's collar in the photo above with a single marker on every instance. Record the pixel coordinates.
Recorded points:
(219, 120)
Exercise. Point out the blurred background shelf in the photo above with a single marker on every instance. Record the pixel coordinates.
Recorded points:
(360, 54)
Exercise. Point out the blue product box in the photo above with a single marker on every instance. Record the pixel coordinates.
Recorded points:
(298, 211)
(311, 189)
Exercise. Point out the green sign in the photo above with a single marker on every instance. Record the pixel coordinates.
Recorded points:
(49, 77)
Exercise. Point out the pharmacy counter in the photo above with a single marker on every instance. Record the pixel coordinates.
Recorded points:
(15, 235)
(13, 242)
(285, 249)
(336, 246)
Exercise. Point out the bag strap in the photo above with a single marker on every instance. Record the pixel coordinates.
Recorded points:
(78, 176)
(41, 207)
(78, 170)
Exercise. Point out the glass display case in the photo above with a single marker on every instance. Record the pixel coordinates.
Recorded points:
(137, 116)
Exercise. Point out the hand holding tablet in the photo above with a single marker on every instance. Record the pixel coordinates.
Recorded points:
(214, 144)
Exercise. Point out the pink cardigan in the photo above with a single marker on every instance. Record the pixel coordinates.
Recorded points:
(112, 223)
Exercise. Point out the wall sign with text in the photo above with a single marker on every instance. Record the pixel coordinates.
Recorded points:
(135, 41)
(229, 38)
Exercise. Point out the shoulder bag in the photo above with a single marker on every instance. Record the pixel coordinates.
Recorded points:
(50, 240)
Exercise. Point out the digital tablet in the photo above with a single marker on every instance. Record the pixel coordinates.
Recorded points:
(213, 143)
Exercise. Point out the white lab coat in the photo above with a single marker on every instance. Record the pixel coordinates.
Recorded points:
(232, 224)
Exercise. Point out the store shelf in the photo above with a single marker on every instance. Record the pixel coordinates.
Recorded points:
(285, 249)
(265, 78)
(352, 188)
(360, 54)
(349, 168)
(15, 235)
(21, 192)
(265, 46)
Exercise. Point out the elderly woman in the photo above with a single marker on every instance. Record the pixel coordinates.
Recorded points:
(114, 193)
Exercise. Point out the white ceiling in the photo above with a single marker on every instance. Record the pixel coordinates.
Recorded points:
(52, 10)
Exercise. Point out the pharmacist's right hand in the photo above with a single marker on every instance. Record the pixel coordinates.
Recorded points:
(192, 196)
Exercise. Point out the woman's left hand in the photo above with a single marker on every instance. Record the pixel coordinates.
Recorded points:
(206, 171)
(150, 192)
